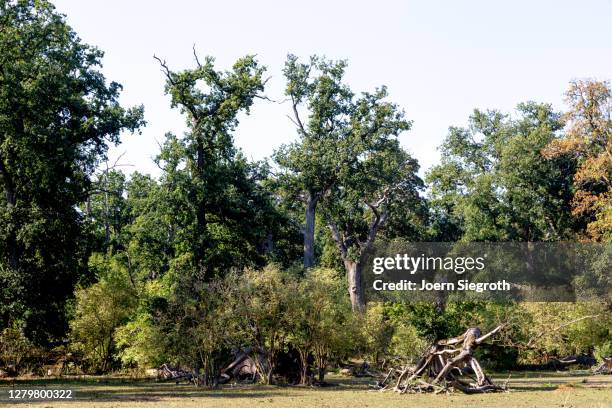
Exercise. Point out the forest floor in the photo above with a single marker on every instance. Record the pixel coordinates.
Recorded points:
(527, 389)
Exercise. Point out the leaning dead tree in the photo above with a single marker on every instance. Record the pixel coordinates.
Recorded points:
(447, 365)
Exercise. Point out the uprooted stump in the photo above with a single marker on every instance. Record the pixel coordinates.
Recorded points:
(445, 367)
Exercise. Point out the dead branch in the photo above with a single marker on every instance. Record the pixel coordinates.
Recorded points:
(444, 367)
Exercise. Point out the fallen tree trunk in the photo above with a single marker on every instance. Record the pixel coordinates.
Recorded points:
(166, 372)
(444, 367)
(561, 364)
(246, 364)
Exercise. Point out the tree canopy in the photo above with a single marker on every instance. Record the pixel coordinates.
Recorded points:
(219, 257)
(493, 184)
(57, 116)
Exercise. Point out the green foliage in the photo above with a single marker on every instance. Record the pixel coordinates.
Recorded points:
(406, 342)
(141, 343)
(217, 183)
(260, 305)
(322, 324)
(376, 331)
(347, 158)
(265, 310)
(560, 329)
(178, 269)
(603, 350)
(106, 209)
(312, 164)
(14, 349)
(100, 309)
(493, 184)
(344, 143)
(57, 116)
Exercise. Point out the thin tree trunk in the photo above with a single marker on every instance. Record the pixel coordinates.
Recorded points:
(356, 292)
(200, 250)
(321, 365)
(11, 200)
(304, 377)
(309, 230)
(106, 216)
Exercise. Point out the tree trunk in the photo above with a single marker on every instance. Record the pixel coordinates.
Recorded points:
(321, 365)
(309, 230)
(305, 367)
(200, 252)
(106, 214)
(356, 292)
(11, 200)
(269, 379)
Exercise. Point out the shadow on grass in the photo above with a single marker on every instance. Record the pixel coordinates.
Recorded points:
(151, 393)
(123, 389)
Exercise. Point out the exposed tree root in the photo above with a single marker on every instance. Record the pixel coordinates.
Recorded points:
(444, 368)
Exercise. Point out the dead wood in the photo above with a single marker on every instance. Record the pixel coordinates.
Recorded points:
(446, 366)
(605, 367)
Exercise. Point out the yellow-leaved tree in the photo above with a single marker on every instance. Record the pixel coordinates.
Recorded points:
(589, 140)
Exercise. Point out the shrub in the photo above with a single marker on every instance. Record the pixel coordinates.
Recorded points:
(15, 348)
(100, 309)
(322, 320)
(377, 331)
(259, 307)
(406, 342)
(602, 351)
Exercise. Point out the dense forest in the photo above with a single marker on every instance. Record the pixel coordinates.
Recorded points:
(106, 271)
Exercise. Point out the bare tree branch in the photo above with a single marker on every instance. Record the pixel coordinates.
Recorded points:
(489, 334)
(195, 55)
(297, 116)
(533, 339)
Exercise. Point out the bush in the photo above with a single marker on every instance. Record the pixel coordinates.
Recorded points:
(260, 308)
(377, 332)
(15, 348)
(562, 329)
(602, 351)
(140, 343)
(100, 309)
(322, 324)
(406, 342)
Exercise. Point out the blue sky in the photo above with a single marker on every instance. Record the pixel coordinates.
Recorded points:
(440, 59)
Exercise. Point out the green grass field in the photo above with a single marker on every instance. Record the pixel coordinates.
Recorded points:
(526, 390)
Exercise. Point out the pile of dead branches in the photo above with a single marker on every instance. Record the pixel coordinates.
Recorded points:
(446, 366)
(167, 372)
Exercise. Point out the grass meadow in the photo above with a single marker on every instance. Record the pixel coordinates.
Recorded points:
(526, 389)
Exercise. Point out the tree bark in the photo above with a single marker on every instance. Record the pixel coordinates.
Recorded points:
(200, 250)
(304, 366)
(309, 230)
(11, 200)
(356, 292)
(321, 376)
